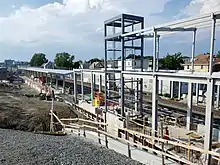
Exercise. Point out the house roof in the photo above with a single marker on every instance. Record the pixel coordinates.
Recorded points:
(94, 65)
(203, 59)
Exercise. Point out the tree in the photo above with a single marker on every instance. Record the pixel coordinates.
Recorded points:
(38, 59)
(94, 60)
(64, 60)
(218, 54)
(172, 62)
(77, 64)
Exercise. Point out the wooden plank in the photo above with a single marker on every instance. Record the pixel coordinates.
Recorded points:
(78, 119)
(174, 143)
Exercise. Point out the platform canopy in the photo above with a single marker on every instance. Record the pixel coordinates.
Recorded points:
(50, 71)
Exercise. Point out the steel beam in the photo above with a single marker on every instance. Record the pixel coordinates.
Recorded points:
(217, 99)
(179, 90)
(100, 83)
(209, 119)
(179, 23)
(105, 84)
(64, 89)
(155, 90)
(155, 106)
(92, 86)
(212, 45)
(210, 98)
(189, 106)
(136, 96)
(122, 68)
(111, 20)
(171, 89)
(82, 85)
(178, 29)
(155, 52)
(75, 87)
(133, 47)
(158, 52)
(193, 49)
(197, 93)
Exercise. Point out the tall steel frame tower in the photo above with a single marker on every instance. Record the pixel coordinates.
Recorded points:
(116, 48)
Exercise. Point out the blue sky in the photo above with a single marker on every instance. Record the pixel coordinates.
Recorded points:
(76, 26)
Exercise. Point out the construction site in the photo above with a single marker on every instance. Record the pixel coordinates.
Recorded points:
(114, 107)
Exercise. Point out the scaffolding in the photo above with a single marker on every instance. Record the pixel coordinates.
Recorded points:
(116, 48)
(191, 24)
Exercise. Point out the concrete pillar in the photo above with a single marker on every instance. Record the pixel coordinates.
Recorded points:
(217, 99)
(179, 90)
(100, 83)
(92, 86)
(171, 89)
(75, 86)
(82, 86)
(56, 81)
(136, 96)
(189, 106)
(197, 93)
(64, 89)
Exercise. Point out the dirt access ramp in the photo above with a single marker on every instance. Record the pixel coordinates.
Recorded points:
(22, 109)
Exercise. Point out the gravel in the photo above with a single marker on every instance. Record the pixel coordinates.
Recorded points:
(26, 148)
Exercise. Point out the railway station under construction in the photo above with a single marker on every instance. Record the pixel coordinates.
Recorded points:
(114, 99)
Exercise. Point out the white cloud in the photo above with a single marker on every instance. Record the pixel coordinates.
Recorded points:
(71, 21)
(74, 23)
(197, 7)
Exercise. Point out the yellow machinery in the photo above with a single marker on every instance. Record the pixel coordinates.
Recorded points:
(98, 99)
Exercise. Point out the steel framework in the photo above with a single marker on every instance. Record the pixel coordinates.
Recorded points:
(124, 24)
(191, 24)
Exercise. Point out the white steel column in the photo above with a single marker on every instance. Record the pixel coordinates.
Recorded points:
(158, 47)
(179, 90)
(154, 90)
(64, 89)
(209, 119)
(197, 93)
(210, 101)
(193, 50)
(82, 85)
(92, 86)
(75, 86)
(189, 106)
(217, 99)
(171, 89)
(100, 83)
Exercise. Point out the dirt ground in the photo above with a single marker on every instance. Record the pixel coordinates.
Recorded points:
(22, 109)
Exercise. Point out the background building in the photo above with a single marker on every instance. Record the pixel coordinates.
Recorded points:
(202, 63)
